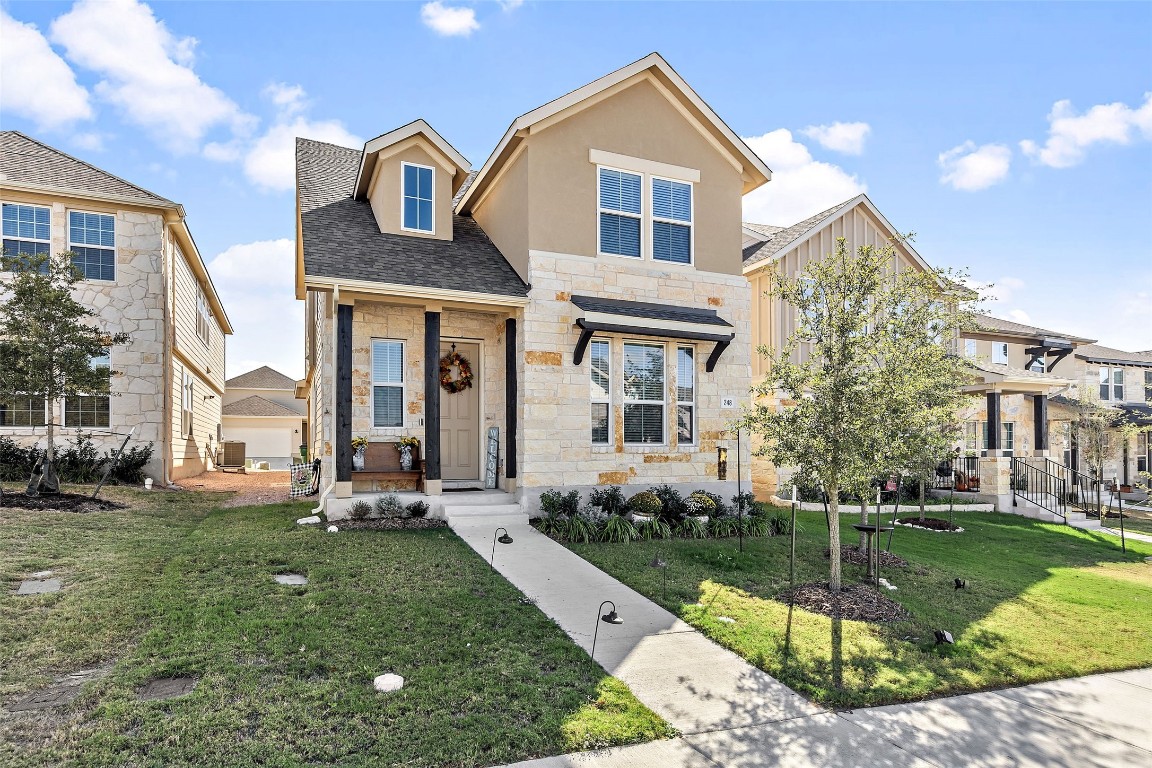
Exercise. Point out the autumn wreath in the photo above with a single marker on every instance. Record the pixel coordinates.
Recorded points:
(463, 381)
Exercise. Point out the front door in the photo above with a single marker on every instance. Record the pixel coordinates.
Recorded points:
(460, 420)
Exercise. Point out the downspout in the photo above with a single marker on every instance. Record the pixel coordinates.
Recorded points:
(169, 323)
(331, 348)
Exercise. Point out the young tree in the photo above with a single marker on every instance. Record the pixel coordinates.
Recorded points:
(868, 370)
(1096, 442)
(47, 339)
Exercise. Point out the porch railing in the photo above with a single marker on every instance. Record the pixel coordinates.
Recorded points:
(958, 473)
(1039, 481)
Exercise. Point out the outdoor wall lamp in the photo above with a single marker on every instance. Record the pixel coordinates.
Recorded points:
(608, 618)
(661, 563)
(505, 539)
(209, 397)
(722, 463)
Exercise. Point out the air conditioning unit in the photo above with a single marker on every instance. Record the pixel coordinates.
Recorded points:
(231, 453)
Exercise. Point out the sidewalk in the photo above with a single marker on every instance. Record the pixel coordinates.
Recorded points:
(734, 715)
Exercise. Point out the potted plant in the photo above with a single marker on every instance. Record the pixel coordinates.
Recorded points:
(405, 445)
(359, 445)
(699, 504)
(645, 506)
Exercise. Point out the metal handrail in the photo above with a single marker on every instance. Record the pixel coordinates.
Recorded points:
(960, 473)
(1039, 486)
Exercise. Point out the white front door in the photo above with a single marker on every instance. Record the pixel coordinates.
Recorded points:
(460, 421)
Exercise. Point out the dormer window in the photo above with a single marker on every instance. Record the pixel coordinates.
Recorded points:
(416, 196)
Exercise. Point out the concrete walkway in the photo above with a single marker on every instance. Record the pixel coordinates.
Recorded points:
(734, 715)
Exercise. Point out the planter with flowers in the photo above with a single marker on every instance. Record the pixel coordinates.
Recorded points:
(405, 446)
(359, 445)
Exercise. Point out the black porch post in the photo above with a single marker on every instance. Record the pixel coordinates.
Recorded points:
(1040, 417)
(432, 395)
(993, 423)
(511, 397)
(343, 393)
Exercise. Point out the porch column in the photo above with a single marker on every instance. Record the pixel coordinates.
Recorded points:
(1040, 424)
(432, 485)
(511, 399)
(343, 487)
(993, 423)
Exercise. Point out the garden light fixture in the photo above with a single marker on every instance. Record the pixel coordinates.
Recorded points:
(960, 583)
(608, 618)
(944, 637)
(505, 539)
(661, 563)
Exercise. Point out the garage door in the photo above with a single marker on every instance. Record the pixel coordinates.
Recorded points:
(263, 442)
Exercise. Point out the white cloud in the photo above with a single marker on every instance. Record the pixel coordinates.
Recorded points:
(448, 20)
(147, 71)
(91, 141)
(510, 5)
(1019, 316)
(800, 186)
(256, 283)
(1070, 134)
(847, 138)
(970, 168)
(38, 84)
(289, 99)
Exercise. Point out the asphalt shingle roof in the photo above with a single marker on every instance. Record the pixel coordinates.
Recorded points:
(257, 406)
(342, 239)
(991, 323)
(27, 161)
(758, 252)
(261, 378)
(1097, 352)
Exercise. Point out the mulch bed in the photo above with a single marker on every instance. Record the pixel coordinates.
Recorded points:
(849, 553)
(855, 602)
(59, 502)
(390, 524)
(930, 524)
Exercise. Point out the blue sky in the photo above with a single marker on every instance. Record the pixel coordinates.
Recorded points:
(1014, 139)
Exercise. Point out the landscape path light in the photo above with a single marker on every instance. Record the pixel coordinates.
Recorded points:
(505, 539)
(608, 618)
(662, 564)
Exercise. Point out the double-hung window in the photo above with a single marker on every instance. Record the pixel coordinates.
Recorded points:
(417, 197)
(1111, 383)
(92, 241)
(203, 317)
(970, 347)
(671, 221)
(23, 411)
(644, 393)
(685, 395)
(27, 230)
(600, 382)
(387, 383)
(1007, 438)
(186, 383)
(90, 410)
(1000, 352)
(619, 212)
(1040, 365)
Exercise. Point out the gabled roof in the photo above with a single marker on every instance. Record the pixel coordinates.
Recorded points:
(1095, 353)
(784, 240)
(255, 405)
(32, 165)
(340, 239)
(1011, 328)
(261, 378)
(755, 172)
(452, 161)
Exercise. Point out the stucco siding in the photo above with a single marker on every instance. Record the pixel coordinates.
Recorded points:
(384, 194)
(504, 212)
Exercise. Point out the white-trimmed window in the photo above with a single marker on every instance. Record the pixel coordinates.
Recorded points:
(671, 221)
(600, 384)
(1040, 365)
(619, 212)
(187, 382)
(685, 395)
(23, 411)
(387, 383)
(1000, 352)
(644, 393)
(27, 229)
(203, 316)
(90, 410)
(1007, 438)
(970, 348)
(92, 240)
(417, 208)
(1111, 383)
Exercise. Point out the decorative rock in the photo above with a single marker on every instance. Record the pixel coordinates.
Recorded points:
(387, 683)
(46, 574)
(332, 529)
(310, 520)
(39, 587)
(291, 579)
(166, 688)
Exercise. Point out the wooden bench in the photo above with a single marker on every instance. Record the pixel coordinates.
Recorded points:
(382, 470)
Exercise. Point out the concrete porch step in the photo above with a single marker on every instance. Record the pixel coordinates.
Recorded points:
(1087, 525)
(454, 513)
(476, 498)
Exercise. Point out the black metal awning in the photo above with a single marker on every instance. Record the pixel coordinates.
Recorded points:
(599, 315)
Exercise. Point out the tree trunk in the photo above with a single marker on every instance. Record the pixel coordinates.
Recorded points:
(834, 539)
(922, 492)
(864, 521)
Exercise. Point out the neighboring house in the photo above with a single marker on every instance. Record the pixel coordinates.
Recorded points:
(589, 274)
(1122, 380)
(142, 275)
(261, 411)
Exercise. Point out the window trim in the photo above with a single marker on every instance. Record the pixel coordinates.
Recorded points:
(64, 402)
(1109, 387)
(1042, 362)
(640, 217)
(115, 252)
(970, 349)
(203, 316)
(402, 386)
(187, 411)
(653, 218)
(663, 402)
(999, 345)
(598, 400)
(404, 196)
(47, 242)
(687, 403)
(47, 416)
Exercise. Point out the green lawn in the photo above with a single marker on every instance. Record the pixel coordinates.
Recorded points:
(177, 587)
(1043, 602)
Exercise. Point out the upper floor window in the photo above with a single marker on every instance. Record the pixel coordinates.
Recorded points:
(970, 347)
(27, 230)
(600, 353)
(90, 410)
(187, 382)
(1111, 383)
(1039, 366)
(92, 240)
(417, 197)
(203, 317)
(671, 221)
(387, 383)
(619, 209)
(1147, 386)
(1000, 352)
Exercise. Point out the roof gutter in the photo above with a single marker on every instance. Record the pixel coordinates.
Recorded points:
(413, 291)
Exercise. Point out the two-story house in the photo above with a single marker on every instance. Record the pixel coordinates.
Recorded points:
(573, 314)
(143, 276)
(1122, 380)
(262, 411)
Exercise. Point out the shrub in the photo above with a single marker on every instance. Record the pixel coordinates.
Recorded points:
(417, 508)
(746, 500)
(359, 510)
(653, 529)
(646, 503)
(618, 530)
(757, 525)
(553, 525)
(700, 504)
(780, 523)
(723, 527)
(389, 505)
(554, 502)
(16, 462)
(579, 529)
(130, 468)
(610, 499)
(674, 509)
(692, 528)
(76, 462)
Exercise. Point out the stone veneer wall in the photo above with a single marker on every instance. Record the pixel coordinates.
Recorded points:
(555, 446)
